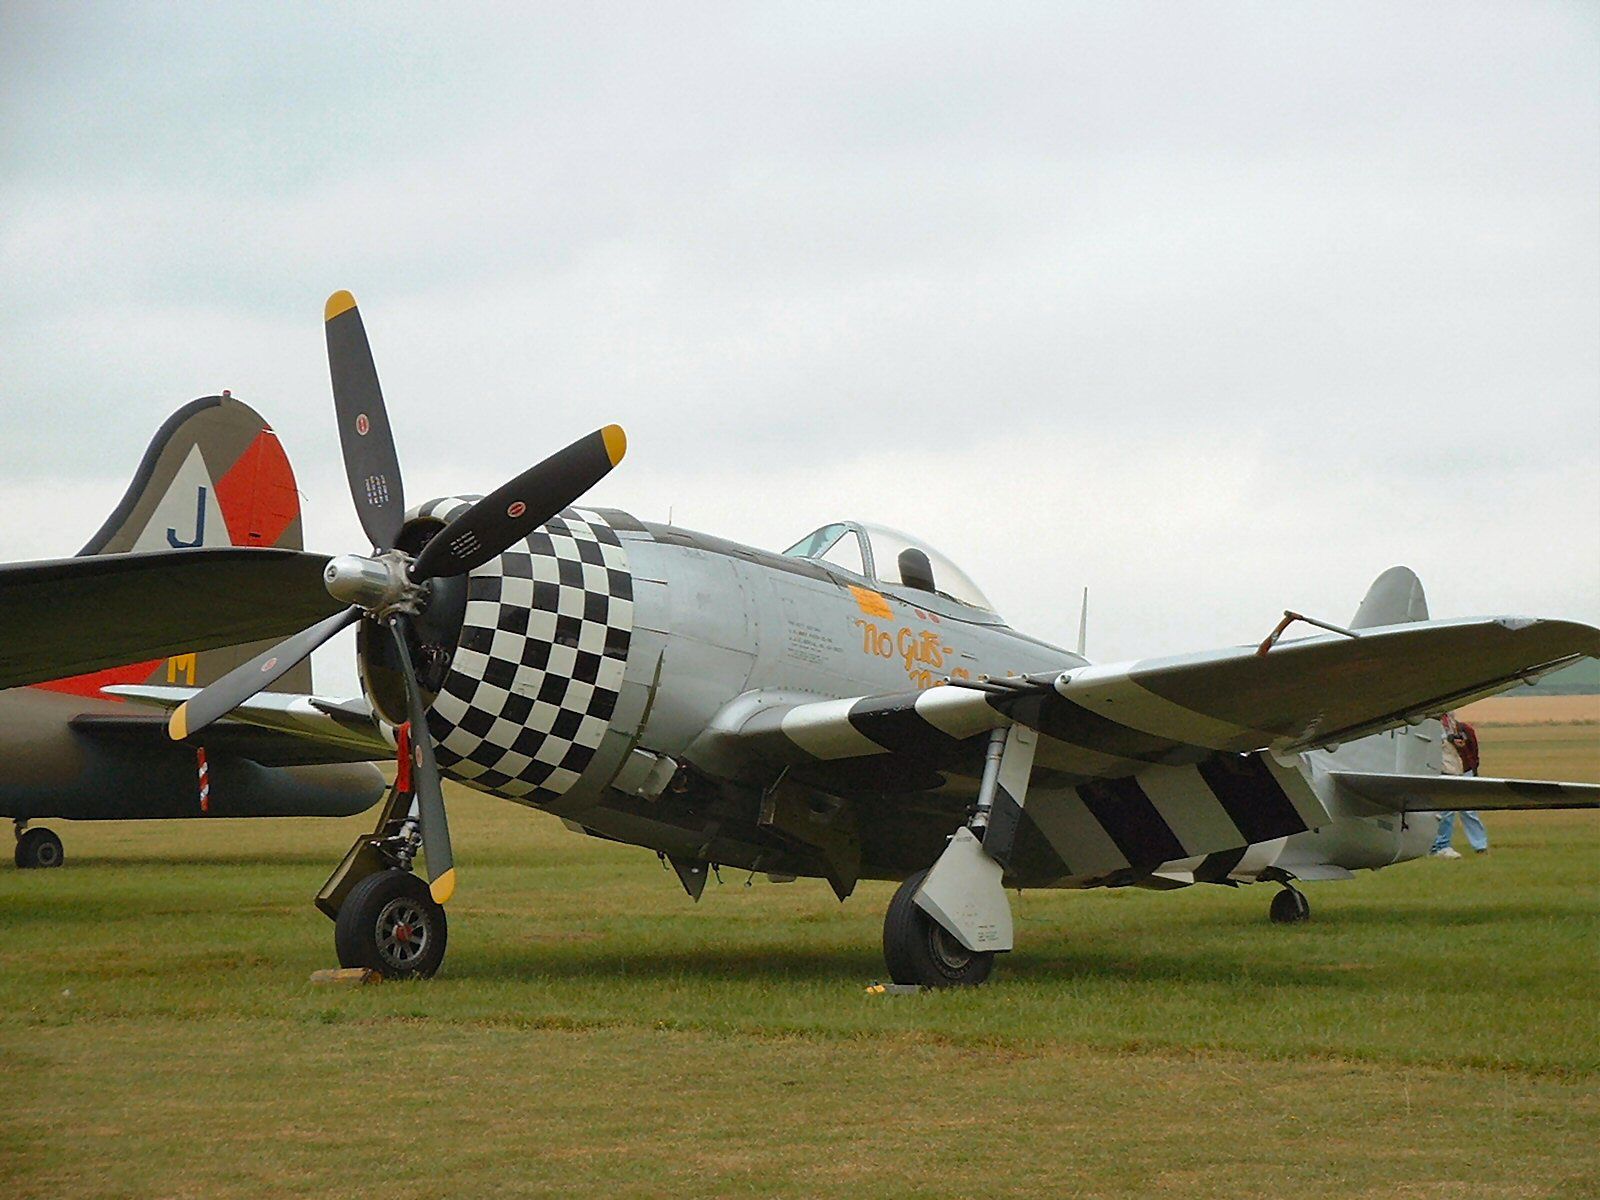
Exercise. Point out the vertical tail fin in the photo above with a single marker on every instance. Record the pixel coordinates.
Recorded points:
(213, 475)
(1394, 598)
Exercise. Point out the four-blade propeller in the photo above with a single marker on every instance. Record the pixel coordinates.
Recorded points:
(389, 586)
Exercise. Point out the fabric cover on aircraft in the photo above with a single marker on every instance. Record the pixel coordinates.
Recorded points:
(72, 615)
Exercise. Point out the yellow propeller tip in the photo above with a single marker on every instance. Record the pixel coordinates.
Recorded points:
(616, 443)
(178, 722)
(339, 302)
(443, 887)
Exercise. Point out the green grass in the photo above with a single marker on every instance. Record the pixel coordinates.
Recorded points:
(1432, 1031)
(1570, 752)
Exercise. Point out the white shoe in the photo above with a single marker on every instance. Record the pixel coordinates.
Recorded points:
(1447, 852)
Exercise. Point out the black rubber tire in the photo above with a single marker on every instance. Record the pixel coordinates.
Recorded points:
(378, 906)
(1290, 907)
(916, 949)
(39, 848)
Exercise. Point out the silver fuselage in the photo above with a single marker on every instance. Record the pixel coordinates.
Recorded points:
(596, 658)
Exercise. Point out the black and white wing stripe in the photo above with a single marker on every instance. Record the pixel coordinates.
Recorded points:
(1114, 720)
(1161, 760)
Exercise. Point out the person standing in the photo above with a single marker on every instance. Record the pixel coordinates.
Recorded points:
(1460, 758)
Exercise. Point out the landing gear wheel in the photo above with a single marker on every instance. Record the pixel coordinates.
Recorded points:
(39, 848)
(391, 924)
(1290, 907)
(917, 949)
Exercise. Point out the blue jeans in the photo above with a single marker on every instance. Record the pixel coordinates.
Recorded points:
(1477, 837)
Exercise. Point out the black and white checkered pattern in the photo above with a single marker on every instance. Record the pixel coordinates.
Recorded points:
(539, 663)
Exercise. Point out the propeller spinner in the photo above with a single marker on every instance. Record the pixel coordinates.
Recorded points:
(391, 586)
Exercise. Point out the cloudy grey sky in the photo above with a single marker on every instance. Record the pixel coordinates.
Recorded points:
(1217, 309)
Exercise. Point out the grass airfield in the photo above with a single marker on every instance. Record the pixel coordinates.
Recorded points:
(1432, 1032)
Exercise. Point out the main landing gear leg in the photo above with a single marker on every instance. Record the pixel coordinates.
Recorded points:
(37, 848)
(945, 925)
(384, 916)
(1290, 907)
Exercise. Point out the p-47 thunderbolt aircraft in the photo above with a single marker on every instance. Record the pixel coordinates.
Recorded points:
(850, 708)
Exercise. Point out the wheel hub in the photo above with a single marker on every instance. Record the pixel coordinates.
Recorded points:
(402, 932)
(947, 952)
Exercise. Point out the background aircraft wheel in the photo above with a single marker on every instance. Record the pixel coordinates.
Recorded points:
(390, 923)
(916, 948)
(39, 848)
(1290, 907)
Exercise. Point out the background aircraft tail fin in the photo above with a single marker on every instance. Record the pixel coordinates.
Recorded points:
(215, 474)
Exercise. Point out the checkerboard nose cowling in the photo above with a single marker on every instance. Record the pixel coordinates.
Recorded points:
(539, 662)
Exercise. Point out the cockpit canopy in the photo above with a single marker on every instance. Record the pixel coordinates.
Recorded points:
(891, 558)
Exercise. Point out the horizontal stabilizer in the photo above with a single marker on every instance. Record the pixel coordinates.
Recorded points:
(1451, 793)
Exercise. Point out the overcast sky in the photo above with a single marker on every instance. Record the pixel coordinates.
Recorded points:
(1216, 309)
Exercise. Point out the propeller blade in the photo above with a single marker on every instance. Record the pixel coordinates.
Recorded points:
(370, 462)
(425, 779)
(220, 698)
(514, 510)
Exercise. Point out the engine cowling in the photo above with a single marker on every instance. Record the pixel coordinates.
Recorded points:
(522, 658)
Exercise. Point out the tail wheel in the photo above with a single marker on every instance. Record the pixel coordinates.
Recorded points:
(390, 923)
(1290, 907)
(39, 848)
(918, 950)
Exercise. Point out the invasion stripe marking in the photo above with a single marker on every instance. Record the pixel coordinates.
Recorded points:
(1015, 841)
(1189, 808)
(1257, 858)
(1255, 800)
(824, 730)
(1181, 867)
(1298, 788)
(958, 711)
(1073, 833)
(896, 724)
(1132, 821)
(1079, 760)
(1216, 866)
(1065, 721)
(1110, 692)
